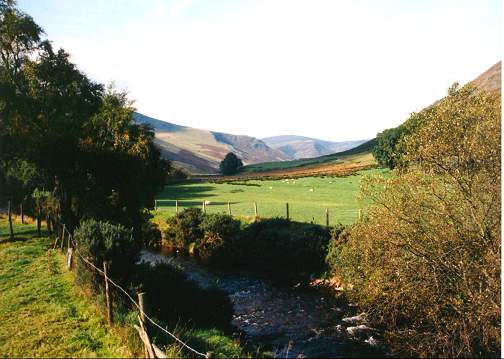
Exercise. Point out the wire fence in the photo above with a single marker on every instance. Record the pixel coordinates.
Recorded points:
(329, 214)
(153, 352)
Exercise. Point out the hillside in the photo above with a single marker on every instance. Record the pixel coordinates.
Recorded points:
(490, 80)
(298, 147)
(200, 151)
(339, 162)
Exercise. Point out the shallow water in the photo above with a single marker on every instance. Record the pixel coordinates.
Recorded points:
(289, 322)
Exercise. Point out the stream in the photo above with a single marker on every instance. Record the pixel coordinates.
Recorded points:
(290, 322)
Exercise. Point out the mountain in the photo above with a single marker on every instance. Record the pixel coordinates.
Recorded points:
(490, 80)
(200, 151)
(298, 147)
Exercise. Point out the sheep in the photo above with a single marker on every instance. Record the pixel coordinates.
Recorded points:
(207, 203)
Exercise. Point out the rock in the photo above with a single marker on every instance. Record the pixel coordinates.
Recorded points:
(357, 330)
(361, 318)
(371, 341)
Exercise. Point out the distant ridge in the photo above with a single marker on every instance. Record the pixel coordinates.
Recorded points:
(200, 151)
(299, 147)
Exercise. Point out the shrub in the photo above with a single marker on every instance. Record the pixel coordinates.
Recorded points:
(184, 228)
(217, 246)
(103, 241)
(426, 262)
(339, 237)
(283, 250)
(172, 296)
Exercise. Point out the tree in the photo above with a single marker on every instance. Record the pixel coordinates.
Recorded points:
(80, 138)
(231, 164)
(425, 261)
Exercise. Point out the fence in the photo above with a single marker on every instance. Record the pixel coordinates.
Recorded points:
(295, 211)
(150, 349)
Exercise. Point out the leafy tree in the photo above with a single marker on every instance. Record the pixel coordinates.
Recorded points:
(231, 164)
(425, 261)
(81, 138)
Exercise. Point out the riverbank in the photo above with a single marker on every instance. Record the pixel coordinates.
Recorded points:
(43, 313)
(285, 321)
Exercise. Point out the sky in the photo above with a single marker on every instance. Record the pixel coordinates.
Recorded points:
(330, 69)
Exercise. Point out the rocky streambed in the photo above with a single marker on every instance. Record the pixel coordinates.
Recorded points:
(290, 322)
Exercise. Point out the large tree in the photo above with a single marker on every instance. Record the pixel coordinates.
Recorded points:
(231, 164)
(80, 137)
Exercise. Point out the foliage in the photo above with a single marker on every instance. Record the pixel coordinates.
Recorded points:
(283, 250)
(425, 262)
(339, 237)
(78, 139)
(151, 234)
(219, 232)
(105, 242)
(184, 228)
(230, 165)
(172, 297)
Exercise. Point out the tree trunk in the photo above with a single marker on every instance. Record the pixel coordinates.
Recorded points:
(21, 212)
(49, 226)
(10, 221)
(38, 225)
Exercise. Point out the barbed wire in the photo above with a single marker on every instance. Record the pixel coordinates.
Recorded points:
(81, 256)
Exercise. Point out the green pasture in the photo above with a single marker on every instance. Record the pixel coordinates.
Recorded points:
(308, 198)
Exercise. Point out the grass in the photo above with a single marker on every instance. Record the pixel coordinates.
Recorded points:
(42, 313)
(308, 198)
(360, 153)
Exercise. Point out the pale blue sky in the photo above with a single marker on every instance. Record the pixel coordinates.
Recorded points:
(337, 70)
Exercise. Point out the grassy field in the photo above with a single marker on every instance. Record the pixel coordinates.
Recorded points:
(308, 198)
(360, 153)
(41, 312)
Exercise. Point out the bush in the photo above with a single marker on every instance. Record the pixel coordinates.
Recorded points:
(184, 228)
(172, 296)
(103, 241)
(426, 261)
(217, 246)
(339, 237)
(283, 250)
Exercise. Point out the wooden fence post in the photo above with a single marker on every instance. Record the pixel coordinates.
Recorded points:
(360, 214)
(229, 208)
(255, 209)
(176, 206)
(21, 212)
(10, 221)
(107, 295)
(155, 205)
(62, 236)
(287, 209)
(204, 207)
(69, 258)
(327, 217)
(141, 303)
